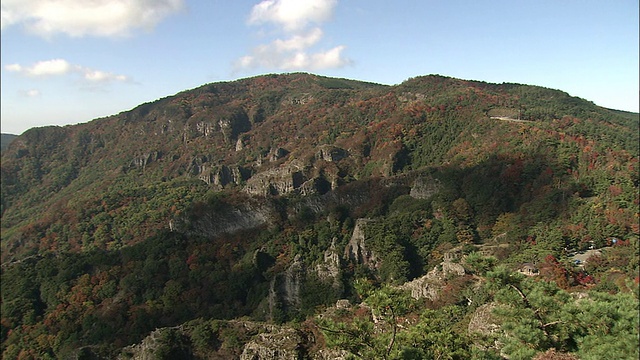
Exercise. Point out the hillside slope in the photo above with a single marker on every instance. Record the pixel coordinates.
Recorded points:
(5, 140)
(270, 196)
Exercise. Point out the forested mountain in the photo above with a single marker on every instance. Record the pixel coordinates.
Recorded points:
(234, 216)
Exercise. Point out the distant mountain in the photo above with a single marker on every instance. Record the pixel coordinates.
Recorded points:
(272, 197)
(5, 140)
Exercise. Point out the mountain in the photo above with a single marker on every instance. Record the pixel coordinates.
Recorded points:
(5, 140)
(272, 196)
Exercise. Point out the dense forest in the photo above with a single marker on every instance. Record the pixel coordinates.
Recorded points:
(297, 216)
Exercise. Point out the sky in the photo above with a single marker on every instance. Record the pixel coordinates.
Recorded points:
(71, 61)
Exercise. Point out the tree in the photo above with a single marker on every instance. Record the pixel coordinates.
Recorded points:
(537, 316)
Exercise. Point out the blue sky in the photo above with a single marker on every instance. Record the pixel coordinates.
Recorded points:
(70, 61)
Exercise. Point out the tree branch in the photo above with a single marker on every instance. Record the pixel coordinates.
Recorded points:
(528, 305)
(395, 329)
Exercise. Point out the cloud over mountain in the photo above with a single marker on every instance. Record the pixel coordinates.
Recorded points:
(79, 18)
(55, 67)
(292, 15)
(293, 49)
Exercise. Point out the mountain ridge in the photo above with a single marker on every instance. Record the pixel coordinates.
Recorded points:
(271, 196)
(220, 128)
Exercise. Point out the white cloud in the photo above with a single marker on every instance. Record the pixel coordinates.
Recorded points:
(32, 93)
(298, 42)
(330, 59)
(48, 67)
(292, 14)
(101, 76)
(86, 17)
(62, 67)
(13, 67)
(268, 56)
(294, 49)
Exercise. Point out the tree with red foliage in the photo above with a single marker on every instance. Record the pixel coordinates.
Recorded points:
(552, 270)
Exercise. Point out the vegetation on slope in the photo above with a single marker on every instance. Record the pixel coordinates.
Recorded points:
(197, 205)
(5, 140)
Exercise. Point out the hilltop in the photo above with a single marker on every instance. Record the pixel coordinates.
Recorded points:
(271, 197)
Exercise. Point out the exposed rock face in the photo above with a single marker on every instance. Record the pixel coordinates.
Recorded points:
(228, 220)
(199, 165)
(317, 185)
(423, 288)
(429, 286)
(230, 175)
(343, 304)
(332, 354)
(225, 175)
(150, 346)
(425, 187)
(277, 153)
(452, 268)
(279, 181)
(356, 249)
(265, 341)
(282, 343)
(143, 160)
(329, 269)
(291, 284)
(284, 290)
(233, 125)
(331, 153)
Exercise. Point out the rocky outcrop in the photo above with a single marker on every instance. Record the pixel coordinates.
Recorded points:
(430, 285)
(281, 343)
(425, 187)
(234, 124)
(423, 288)
(253, 341)
(277, 153)
(143, 160)
(230, 175)
(226, 220)
(170, 342)
(279, 181)
(357, 251)
(451, 268)
(199, 165)
(332, 354)
(284, 290)
(330, 153)
(329, 270)
(224, 175)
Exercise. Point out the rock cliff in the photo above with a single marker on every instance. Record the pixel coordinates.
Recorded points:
(357, 250)
(430, 285)
(284, 289)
